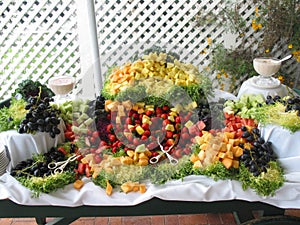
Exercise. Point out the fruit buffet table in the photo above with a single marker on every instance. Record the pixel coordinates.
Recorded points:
(193, 194)
(157, 140)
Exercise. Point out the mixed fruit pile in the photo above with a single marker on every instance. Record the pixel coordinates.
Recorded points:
(153, 122)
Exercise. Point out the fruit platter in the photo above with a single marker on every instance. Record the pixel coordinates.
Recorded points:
(156, 129)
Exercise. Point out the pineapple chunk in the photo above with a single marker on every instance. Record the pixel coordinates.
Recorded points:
(171, 118)
(146, 119)
(139, 130)
(170, 127)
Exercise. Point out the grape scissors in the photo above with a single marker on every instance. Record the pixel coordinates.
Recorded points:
(59, 166)
(172, 160)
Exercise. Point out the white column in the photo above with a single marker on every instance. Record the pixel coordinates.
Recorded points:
(88, 47)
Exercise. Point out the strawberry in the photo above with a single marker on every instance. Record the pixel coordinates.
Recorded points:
(112, 138)
(149, 113)
(128, 120)
(185, 136)
(170, 142)
(61, 149)
(164, 116)
(97, 159)
(178, 153)
(169, 134)
(88, 171)
(144, 137)
(81, 168)
(136, 141)
(69, 135)
(95, 134)
(165, 108)
(145, 126)
(147, 133)
(158, 111)
(109, 129)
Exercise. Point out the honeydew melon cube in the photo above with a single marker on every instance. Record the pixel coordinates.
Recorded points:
(141, 148)
(188, 124)
(88, 122)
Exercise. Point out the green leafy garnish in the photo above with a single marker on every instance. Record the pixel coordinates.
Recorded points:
(217, 171)
(47, 184)
(29, 88)
(276, 115)
(11, 117)
(266, 183)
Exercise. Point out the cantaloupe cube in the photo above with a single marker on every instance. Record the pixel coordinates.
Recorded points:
(235, 164)
(229, 135)
(227, 162)
(194, 158)
(229, 147)
(221, 155)
(237, 151)
(223, 147)
(142, 188)
(229, 154)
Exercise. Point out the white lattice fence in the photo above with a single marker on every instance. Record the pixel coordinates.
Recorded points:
(38, 40)
(128, 27)
(39, 37)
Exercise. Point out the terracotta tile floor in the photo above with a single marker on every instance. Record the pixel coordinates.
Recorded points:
(197, 219)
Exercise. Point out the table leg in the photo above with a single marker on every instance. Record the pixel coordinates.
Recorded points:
(55, 221)
(40, 221)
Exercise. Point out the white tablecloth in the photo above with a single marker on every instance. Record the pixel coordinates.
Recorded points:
(22, 146)
(249, 88)
(192, 188)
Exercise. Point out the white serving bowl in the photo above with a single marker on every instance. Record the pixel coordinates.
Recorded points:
(266, 67)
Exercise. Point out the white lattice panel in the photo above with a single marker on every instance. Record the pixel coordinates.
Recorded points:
(38, 40)
(39, 37)
(128, 27)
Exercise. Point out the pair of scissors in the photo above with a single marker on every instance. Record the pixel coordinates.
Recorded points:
(59, 166)
(155, 159)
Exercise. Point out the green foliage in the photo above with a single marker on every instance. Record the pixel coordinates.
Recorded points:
(133, 94)
(11, 117)
(275, 114)
(47, 184)
(216, 171)
(105, 92)
(266, 183)
(29, 88)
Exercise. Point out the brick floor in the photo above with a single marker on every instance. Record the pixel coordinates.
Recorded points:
(196, 219)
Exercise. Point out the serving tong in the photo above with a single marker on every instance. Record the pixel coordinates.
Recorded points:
(172, 160)
(59, 166)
